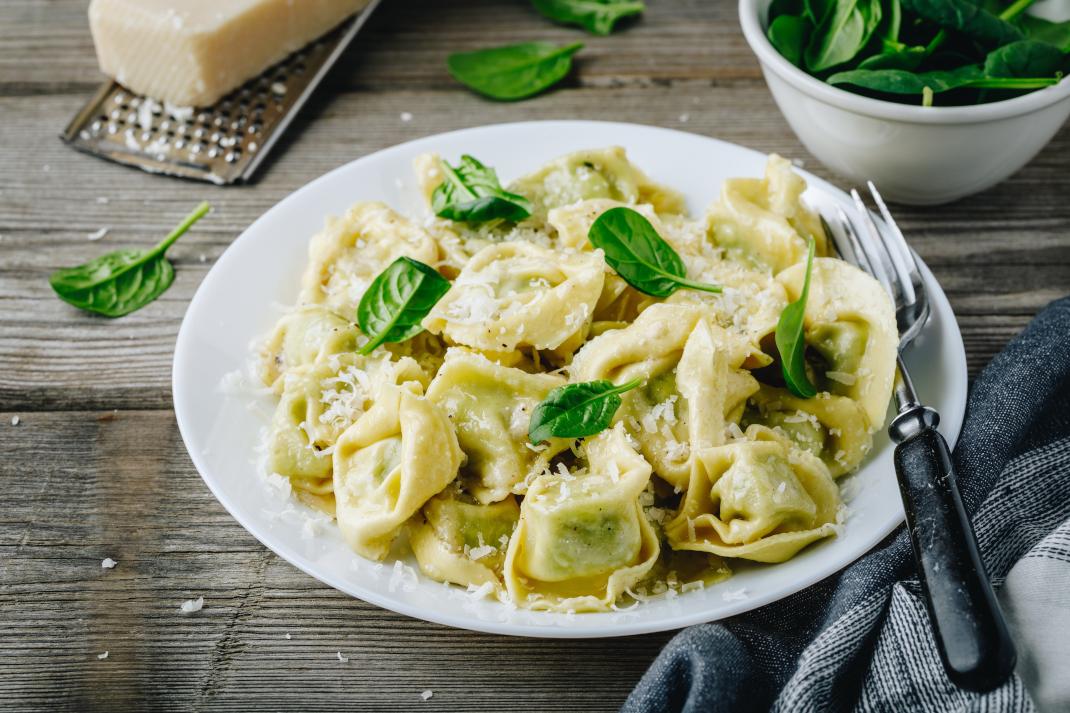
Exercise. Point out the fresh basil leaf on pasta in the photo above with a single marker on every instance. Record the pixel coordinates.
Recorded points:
(596, 16)
(123, 281)
(471, 192)
(397, 301)
(789, 338)
(577, 410)
(639, 255)
(514, 71)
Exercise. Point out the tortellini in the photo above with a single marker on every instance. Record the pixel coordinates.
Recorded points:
(349, 252)
(691, 384)
(850, 322)
(304, 336)
(464, 542)
(514, 295)
(602, 173)
(318, 401)
(399, 454)
(755, 499)
(833, 428)
(490, 406)
(423, 445)
(583, 538)
(763, 220)
(571, 223)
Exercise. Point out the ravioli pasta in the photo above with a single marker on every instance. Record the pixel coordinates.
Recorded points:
(423, 445)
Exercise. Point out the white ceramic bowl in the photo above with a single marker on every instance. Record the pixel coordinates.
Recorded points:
(914, 154)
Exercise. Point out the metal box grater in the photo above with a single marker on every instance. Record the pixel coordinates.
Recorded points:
(223, 144)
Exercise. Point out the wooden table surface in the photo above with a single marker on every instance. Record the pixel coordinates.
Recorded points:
(95, 467)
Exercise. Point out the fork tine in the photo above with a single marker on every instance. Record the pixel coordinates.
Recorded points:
(875, 250)
(896, 244)
(857, 253)
(839, 240)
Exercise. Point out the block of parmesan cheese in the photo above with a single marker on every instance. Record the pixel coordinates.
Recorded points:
(192, 52)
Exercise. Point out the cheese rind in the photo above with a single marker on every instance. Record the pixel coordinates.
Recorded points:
(193, 52)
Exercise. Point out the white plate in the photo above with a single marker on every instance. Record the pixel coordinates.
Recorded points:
(239, 301)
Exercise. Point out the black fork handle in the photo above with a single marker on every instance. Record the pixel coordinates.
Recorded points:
(971, 634)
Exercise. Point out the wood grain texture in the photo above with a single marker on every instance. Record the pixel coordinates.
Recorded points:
(84, 481)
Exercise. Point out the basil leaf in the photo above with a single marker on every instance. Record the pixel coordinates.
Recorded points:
(967, 17)
(789, 338)
(123, 281)
(788, 34)
(577, 410)
(895, 81)
(397, 301)
(596, 16)
(513, 71)
(639, 255)
(471, 192)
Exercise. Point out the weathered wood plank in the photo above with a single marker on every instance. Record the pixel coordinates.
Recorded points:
(120, 485)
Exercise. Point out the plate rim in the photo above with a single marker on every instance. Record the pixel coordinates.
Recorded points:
(951, 423)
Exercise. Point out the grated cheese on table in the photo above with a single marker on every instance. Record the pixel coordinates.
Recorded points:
(426, 695)
(192, 605)
(108, 563)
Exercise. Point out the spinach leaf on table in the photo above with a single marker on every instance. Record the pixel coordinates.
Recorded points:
(514, 71)
(639, 255)
(967, 17)
(577, 410)
(472, 193)
(123, 281)
(596, 16)
(394, 305)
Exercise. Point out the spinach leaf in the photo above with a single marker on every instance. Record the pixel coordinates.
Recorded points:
(639, 255)
(577, 410)
(123, 281)
(596, 16)
(1026, 58)
(471, 192)
(788, 33)
(967, 17)
(1053, 33)
(845, 31)
(397, 301)
(513, 71)
(907, 58)
(895, 81)
(789, 338)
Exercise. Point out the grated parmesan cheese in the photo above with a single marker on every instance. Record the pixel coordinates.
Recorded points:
(343, 659)
(192, 605)
(102, 656)
(108, 563)
(97, 235)
(842, 377)
(426, 695)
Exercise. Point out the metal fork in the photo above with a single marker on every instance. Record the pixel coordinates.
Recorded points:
(971, 634)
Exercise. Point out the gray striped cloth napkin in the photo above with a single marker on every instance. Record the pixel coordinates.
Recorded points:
(861, 640)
